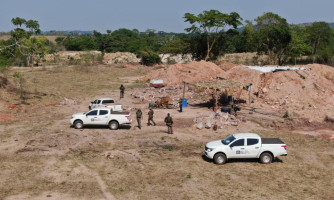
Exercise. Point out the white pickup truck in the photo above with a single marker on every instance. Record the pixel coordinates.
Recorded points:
(106, 103)
(245, 145)
(101, 116)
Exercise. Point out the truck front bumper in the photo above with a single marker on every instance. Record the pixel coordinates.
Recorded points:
(209, 154)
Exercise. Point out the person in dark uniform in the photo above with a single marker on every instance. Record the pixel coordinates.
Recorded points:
(180, 103)
(122, 88)
(150, 117)
(169, 123)
(139, 116)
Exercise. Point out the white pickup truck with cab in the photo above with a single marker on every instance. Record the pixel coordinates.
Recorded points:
(106, 103)
(101, 116)
(245, 145)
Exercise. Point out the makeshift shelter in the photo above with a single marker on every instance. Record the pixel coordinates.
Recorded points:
(217, 87)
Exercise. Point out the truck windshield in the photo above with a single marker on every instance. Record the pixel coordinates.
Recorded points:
(228, 140)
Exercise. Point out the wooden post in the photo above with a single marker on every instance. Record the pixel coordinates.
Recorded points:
(184, 89)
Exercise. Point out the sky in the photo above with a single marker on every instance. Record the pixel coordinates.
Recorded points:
(160, 15)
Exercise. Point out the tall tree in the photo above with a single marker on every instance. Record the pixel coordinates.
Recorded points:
(212, 24)
(22, 44)
(319, 33)
(298, 45)
(273, 35)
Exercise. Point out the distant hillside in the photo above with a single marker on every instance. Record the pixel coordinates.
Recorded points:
(310, 23)
(76, 32)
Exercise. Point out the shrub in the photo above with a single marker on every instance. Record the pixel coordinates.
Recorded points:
(149, 58)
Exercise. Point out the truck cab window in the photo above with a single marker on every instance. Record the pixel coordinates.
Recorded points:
(93, 112)
(252, 141)
(238, 143)
(108, 101)
(103, 112)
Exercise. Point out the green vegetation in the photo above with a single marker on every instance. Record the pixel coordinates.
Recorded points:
(22, 48)
(273, 36)
(212, 25)
(211, 34)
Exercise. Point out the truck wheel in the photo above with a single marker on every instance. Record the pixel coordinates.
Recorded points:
(78, 124)
(113, 125)
(219, 158)
(266, 158)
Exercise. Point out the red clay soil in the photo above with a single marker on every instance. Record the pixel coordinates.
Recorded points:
(307, 94)
(13, 106)
(304, 94)
(4, 117)
(191, 72)
(226, 65)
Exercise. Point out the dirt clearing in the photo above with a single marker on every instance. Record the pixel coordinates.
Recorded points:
(42, 157)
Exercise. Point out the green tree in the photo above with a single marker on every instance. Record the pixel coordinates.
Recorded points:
(149, 58)
(273, 36)
(175, 46)
(299, 45)
(212, 24)
(22, 44)
(319, 33)
(248, 37)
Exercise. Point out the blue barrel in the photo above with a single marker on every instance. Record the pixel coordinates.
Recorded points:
(184, 103)
(150, 105)
(226, 110)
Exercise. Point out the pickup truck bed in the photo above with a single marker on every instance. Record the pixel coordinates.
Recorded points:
(119, 113)
(271, 141)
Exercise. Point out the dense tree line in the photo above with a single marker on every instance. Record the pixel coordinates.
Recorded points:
(211, 34)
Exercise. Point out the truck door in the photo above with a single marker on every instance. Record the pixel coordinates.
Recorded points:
(252, 147)
(103, 117)
(237, 149)
(91, 117)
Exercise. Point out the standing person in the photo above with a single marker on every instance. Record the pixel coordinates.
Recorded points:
(139, 116)
(169, 123)
(150, 117)
(180, 103)
(122, 88)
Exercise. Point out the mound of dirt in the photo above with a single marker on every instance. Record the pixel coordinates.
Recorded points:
(307, 94)
(226, 65)
(191, 72)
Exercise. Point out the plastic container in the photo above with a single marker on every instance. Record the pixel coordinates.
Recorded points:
(184, 102)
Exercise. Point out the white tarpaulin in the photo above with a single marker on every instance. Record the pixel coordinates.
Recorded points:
(276, 68)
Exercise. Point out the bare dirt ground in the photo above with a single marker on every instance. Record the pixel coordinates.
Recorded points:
(42, 157)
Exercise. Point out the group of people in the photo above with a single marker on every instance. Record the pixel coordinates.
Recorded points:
(168, 120)
(139, 114)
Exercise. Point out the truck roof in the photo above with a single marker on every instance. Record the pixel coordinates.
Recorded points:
(245, 135)
(105, 99)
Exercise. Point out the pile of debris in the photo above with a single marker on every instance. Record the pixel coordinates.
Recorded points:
(174, 75)
(119, 58)
(151, 94)
(307, 93)
(218, 120)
